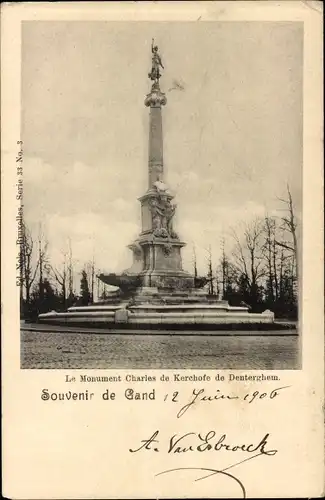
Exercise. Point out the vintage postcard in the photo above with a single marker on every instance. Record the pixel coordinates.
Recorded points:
(162, 250)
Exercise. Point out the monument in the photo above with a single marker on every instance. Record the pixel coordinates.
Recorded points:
(157, 251)
(155, 292)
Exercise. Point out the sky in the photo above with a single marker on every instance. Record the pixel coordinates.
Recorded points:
(232, 137)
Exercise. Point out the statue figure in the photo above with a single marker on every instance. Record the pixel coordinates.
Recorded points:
(162, 213)
(157, 215)
(169, 214)
(156, 63)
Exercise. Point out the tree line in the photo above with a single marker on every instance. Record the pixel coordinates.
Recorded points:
(258, 267)
(261, 269)
(45, 287)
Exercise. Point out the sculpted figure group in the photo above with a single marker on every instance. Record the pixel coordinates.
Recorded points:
(163, 212)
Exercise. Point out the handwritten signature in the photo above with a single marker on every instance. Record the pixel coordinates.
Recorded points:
(210, 441)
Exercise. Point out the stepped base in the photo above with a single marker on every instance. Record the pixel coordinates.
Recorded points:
(154, 310)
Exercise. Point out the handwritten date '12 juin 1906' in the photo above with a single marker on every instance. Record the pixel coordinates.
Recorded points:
(182, 399)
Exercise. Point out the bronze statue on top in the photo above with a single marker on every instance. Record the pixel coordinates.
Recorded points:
(155, 74)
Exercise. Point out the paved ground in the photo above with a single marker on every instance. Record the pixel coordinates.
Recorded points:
(66, 349)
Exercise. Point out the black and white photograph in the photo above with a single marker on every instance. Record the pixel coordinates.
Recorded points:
(161, 195)
(162, 250)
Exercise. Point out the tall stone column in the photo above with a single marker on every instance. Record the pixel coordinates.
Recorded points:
(155, 100)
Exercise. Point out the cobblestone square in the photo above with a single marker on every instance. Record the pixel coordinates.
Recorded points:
(62, 350)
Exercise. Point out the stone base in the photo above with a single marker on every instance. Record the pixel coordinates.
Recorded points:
(158, 263)
(162, 312)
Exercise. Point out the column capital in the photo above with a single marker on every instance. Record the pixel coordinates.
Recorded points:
(156, 98)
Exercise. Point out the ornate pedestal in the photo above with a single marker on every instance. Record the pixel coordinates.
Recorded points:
(157, 251)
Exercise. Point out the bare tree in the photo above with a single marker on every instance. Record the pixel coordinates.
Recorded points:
(90, 270)
(268, 256)
(228, 274)
(98, 283)
(43, 261)
(194, 263)
(61, 278)
(223, 270)
(26, 258)
(248, 256)
(276, 257)
(92, 282)
(70, 271)
(289, 225)
(210, 273)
